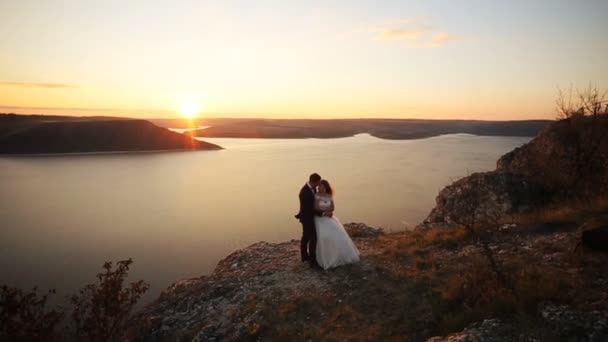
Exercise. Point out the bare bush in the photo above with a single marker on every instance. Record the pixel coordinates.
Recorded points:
(589, 101)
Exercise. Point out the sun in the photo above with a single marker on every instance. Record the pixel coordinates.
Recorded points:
(189, 109)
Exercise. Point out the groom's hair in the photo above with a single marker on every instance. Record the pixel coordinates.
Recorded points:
(314, 178)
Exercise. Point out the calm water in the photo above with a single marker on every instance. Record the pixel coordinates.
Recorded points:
(178, 214)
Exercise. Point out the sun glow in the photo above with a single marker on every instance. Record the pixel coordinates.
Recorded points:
(189, 109)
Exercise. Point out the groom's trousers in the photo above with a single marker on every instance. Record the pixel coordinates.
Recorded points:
(308, 243)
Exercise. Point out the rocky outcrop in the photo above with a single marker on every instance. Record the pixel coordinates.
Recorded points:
(489, 330)
(575, 324)
(506, 191)
(396, 292)
(568, 159)
(226, 305)
(361, 230)
(558, 323)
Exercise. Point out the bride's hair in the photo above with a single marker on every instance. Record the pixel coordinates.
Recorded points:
(328, 188)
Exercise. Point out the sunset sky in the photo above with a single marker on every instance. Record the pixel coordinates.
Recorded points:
(478, 59)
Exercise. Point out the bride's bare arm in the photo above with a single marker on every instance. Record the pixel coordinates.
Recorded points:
(318, 210)
(330, 211)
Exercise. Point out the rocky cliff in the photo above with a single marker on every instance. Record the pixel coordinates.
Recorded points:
(408, 286)
(249, 289)
(567, 160)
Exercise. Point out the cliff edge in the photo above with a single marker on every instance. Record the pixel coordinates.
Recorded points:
(567, 161)
(408, 286)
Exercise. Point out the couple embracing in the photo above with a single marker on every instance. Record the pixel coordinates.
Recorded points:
(325, 243)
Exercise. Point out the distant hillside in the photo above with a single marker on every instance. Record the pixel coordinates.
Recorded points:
(50, 134)
(381, 128)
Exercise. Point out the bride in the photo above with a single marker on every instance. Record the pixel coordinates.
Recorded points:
(334, 246)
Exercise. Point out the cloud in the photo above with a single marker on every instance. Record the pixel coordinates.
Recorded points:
(38, 85)
(439, 39)
(400, 34)
(412, 32)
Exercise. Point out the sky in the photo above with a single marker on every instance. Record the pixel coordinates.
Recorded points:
(464, 59)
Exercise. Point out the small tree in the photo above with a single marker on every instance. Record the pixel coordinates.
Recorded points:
(101, 310)
(24, 317)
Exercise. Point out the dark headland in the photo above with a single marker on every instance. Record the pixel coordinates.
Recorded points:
(39, 134)
(339, 128)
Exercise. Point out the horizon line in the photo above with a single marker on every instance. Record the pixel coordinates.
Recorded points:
(123, 113)
(287, 119)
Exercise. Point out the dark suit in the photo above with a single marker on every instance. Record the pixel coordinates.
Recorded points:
(308, 243)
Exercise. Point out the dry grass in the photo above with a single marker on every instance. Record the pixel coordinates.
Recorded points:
(475, 286)
(430, 282)
(470, 292)
(441, 292)
(575, 211)
(383, 309)
(465, 289)
(416, 242)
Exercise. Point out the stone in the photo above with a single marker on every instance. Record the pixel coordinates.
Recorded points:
(596, 238)
(357, 230)
(489, 330)
(577, 325)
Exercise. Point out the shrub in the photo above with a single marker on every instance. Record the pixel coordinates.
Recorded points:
(24, 317)
(101, 310)
(475, 292)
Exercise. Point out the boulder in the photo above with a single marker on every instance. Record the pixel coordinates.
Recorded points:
(595, 238)
(510, 193)
(361, 230)
(574, 325)
(489, 330)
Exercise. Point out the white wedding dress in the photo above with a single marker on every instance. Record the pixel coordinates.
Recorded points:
(334, 246)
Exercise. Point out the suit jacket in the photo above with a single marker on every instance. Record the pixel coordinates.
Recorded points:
(307, 205)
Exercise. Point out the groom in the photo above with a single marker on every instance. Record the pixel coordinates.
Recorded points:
(307, 213)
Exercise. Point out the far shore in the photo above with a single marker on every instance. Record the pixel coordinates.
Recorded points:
(99, 153)
(439, 135)
(393, 129)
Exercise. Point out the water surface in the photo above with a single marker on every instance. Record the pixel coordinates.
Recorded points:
(178, 214)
